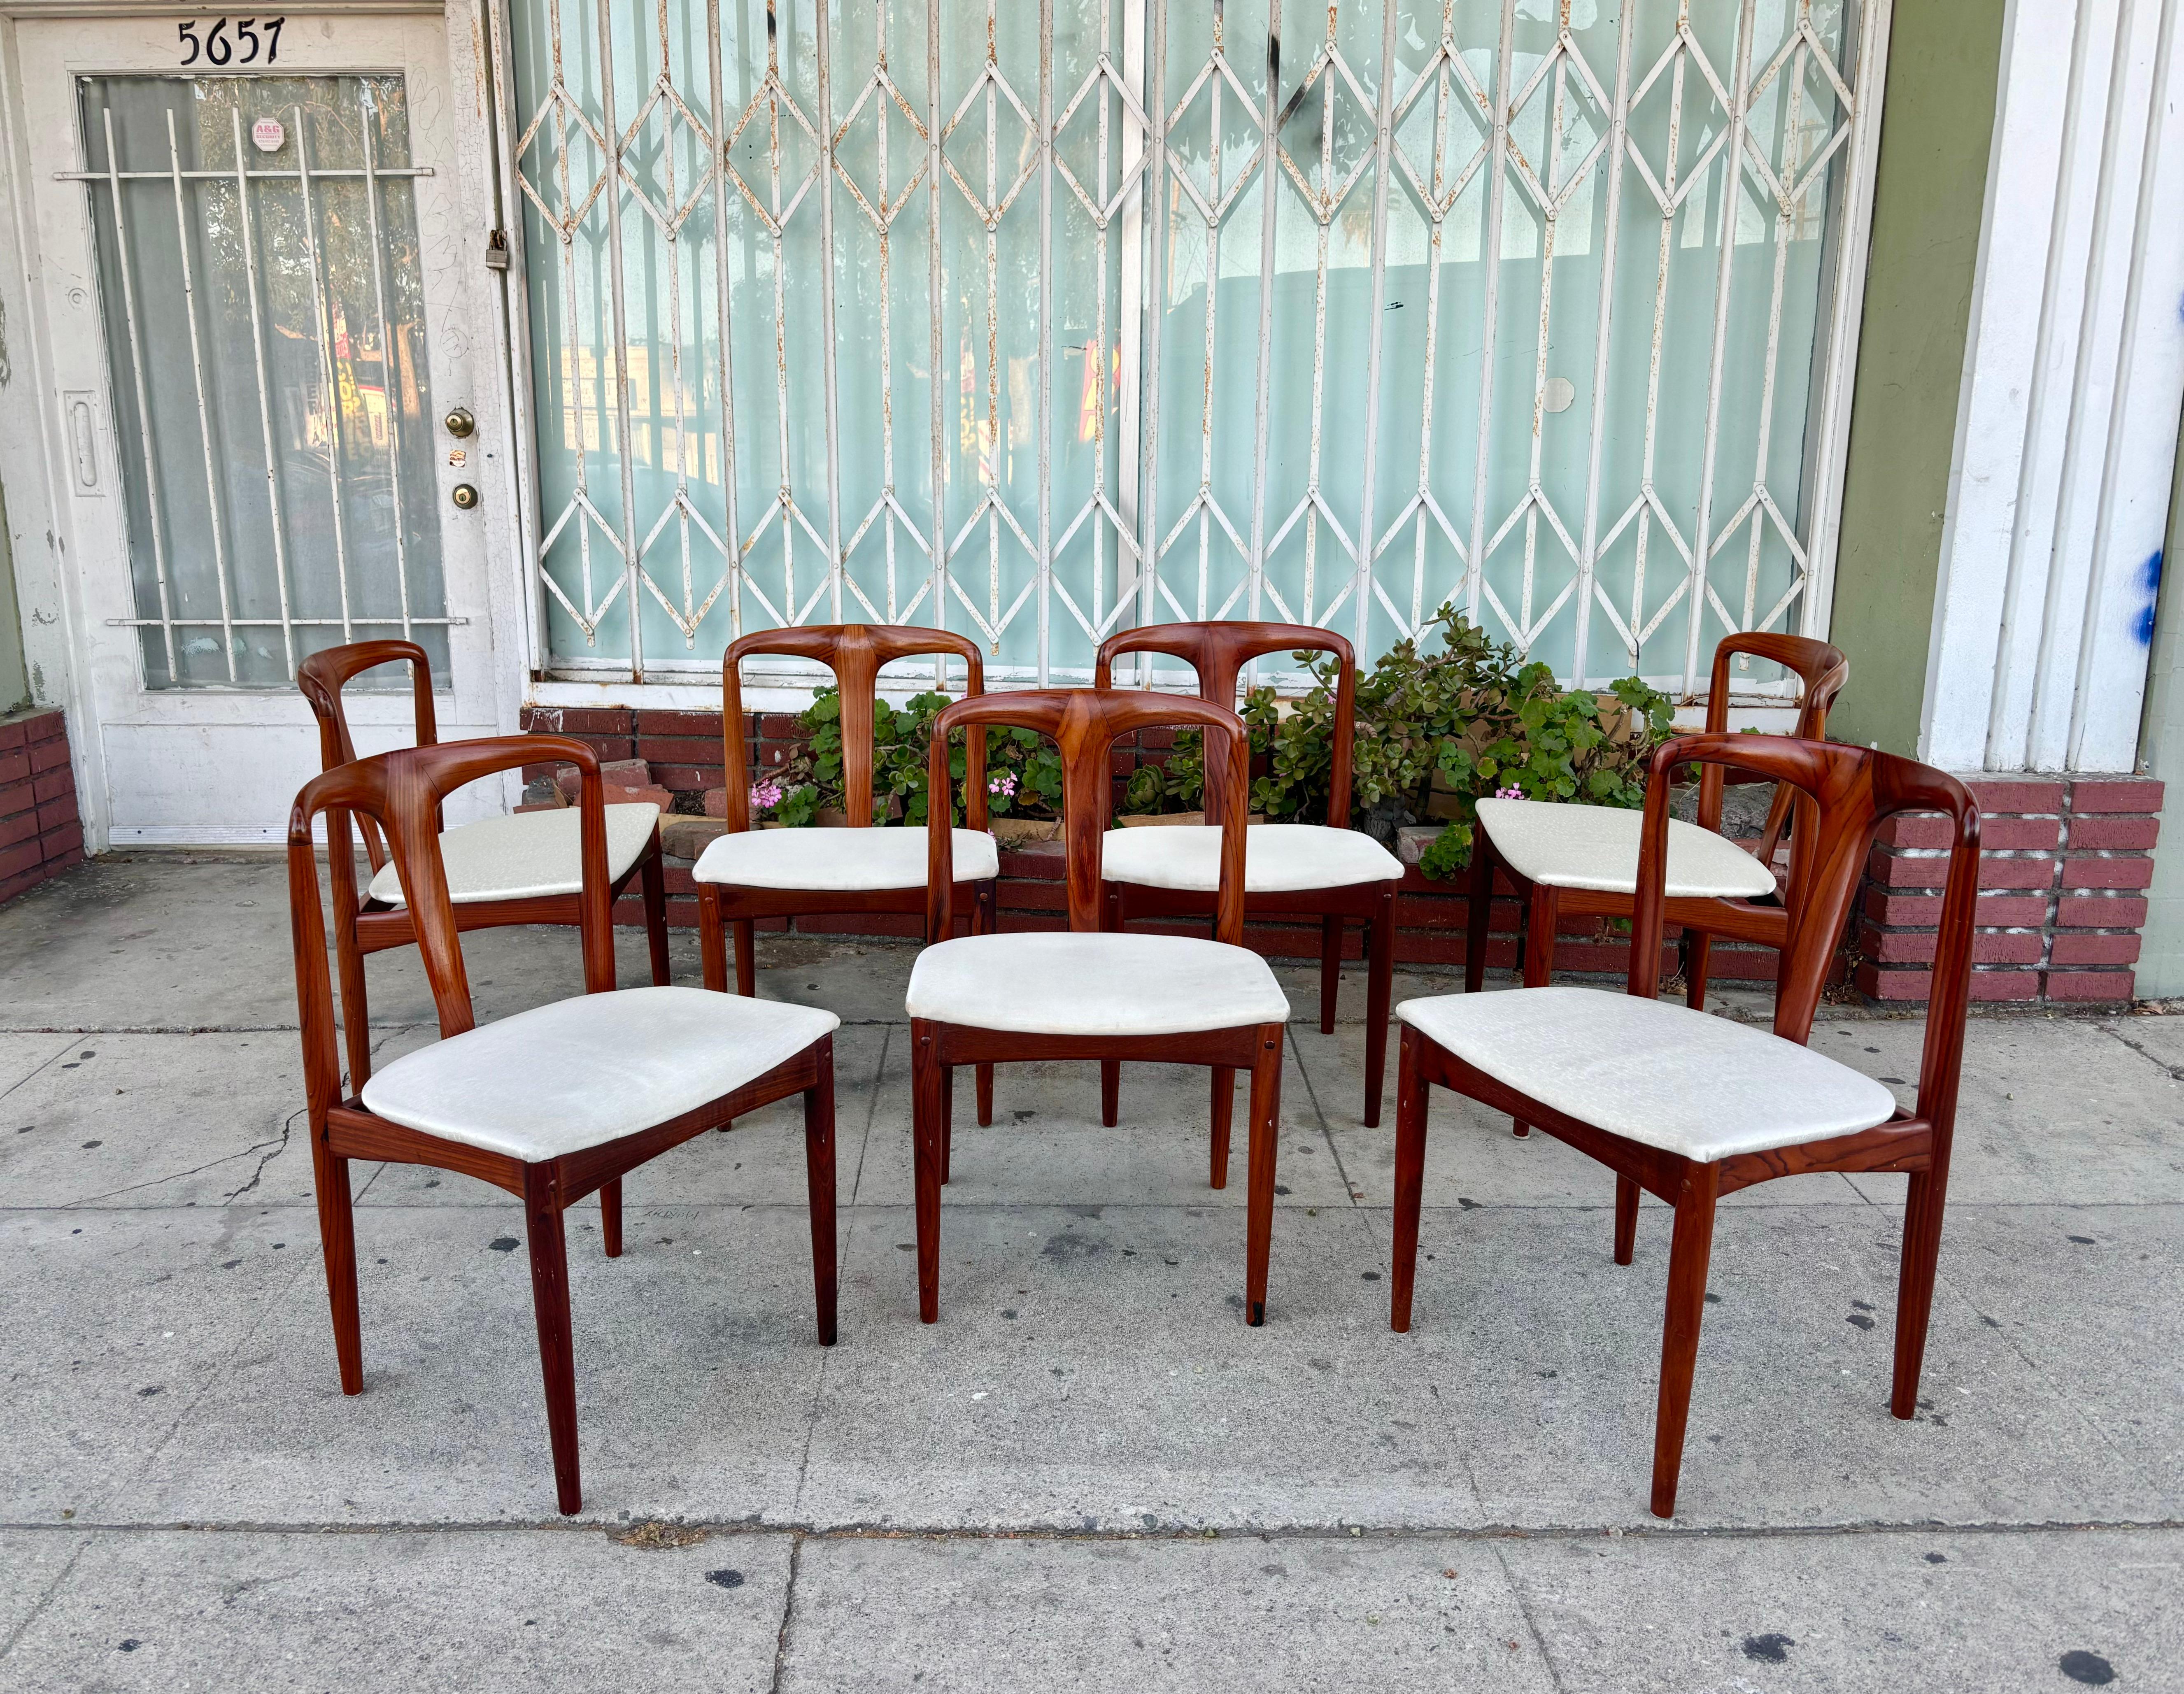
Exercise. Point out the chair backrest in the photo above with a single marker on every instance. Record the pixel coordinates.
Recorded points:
(854, 652)
(1084, 724)
(402, 792)
(320, 679)
(1842, 796)
(1822, 668)
(1219, 651)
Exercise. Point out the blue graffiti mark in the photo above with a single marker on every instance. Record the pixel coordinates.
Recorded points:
(2149, 576)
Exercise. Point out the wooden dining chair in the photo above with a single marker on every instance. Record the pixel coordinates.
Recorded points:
(1328, 871)
(750, 873)
(1689, 1106)
(1568, 861)
(520, 868)
(1090, 993)
(550, 1104)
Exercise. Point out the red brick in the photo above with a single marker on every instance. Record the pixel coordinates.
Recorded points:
(2119, 794)
(54, 785)
(2078, 948)
(706, 723)
(14, 767)
(2032, 872)
(25, 855)
(56, 812)
(2008, 834)
(1158, 740)
(687, 778)
(13, 734)
(2115, 834)
(1918, 946)
(2016, 794)
(680, 749)
(863, 923)
(1914, 985)
(593, 720)
(2108, 873)
(20, 884)
(775, 726)
(20, 795)
(2082, 986)
(48, 756)
(66, 861)
(1916, 829)
(658, 796)
(62, 841)
(2100, 911)
(23, 827)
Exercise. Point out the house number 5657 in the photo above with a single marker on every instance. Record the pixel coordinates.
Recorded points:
(242, 47)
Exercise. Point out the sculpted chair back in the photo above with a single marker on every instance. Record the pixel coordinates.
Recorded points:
(1690, 1107)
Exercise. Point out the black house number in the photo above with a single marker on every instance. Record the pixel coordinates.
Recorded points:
(241, 46)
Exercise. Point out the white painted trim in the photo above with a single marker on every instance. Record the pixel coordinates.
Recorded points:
(2068, 411)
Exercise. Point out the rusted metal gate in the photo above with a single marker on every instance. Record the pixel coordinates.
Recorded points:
(1034, 321)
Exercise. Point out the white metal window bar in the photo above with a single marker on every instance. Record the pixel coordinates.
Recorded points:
(1624, 241)
(242, 560)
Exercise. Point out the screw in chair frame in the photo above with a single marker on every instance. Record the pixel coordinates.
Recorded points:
(521, 868)
(1091, 993)
(747, 875)
(1689, 1106)
(552, 1104)
(1330, 871)
(1571, 861)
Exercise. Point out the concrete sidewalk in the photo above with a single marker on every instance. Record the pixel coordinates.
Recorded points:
(1089, 1474)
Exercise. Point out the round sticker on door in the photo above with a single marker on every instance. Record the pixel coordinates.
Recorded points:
(267, 135)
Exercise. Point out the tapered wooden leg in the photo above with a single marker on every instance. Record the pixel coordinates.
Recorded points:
(1914, 1287)
(1626, 1219)
(610, 1216)
(819, 1184)
(1111, 1092)
(1689, 1251)
(988, 923)
(746, 959)
(1379, 990)
(984, 1076)
(947, 1118)
(337, 1241)
(1698, 948)
(1541, 912)
(1330, 970)
(1224, 1108)
(557, 1357)
(653, 875)
(1411, 1091)
(925, 1110)
(712, 942)
(1259, 1195)
(1482, 909)
(356, 1011)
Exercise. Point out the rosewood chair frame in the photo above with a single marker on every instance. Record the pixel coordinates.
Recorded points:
(854, 653)
(1823, 670)
(1084, 724)
(401, 793)
(1218, 651)
(363, 925)
(1842, 794)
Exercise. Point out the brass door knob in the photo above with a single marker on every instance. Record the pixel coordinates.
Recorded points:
(465, 495)
(460, 422)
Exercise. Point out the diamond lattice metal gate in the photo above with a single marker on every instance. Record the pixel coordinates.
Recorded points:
(1037, 320)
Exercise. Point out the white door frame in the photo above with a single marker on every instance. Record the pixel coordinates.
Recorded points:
(206, 766)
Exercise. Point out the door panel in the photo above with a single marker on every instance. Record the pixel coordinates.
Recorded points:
(265, 289)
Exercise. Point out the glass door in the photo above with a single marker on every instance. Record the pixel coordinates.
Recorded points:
(267, 274)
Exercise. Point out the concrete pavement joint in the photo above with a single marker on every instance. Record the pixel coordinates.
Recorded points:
(2174, 1072)
(788, 1612)
(45, 1599)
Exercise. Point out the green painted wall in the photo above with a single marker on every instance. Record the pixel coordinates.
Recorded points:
(14, 680)
(1936, 128)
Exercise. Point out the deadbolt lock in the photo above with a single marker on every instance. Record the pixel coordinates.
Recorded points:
(460, 422)
(465, 495)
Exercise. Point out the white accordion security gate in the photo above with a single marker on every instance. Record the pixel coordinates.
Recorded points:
(1037, 320)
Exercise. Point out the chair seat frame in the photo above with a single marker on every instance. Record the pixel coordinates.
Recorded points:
(1855, 789)
(364, 925)
(402, 792)
(1084, 724)
(1218, 651)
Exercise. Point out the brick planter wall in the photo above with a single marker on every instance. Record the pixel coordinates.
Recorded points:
(2065, 864)
(40, 833)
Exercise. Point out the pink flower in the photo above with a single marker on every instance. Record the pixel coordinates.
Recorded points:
(1005, 783)
(765, 795)
(1511, 793)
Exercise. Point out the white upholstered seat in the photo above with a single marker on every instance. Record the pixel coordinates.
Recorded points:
(1596, 847)
(1050, 982)
(526, 854)
(1278, 858)
(839, 861)
(579, 1071)
(1663, 1075)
